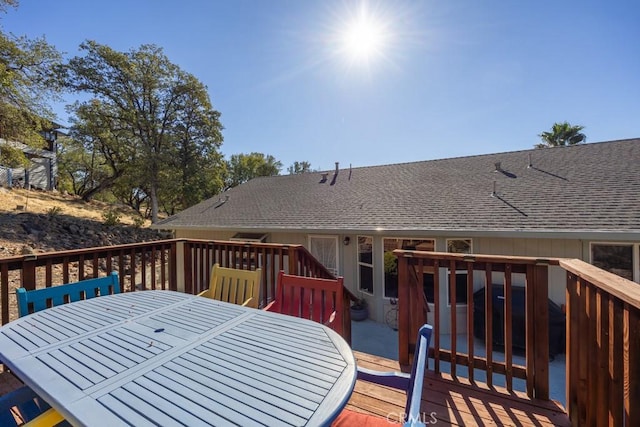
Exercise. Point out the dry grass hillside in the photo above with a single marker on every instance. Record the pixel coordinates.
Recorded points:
(34, 221)
(42, 202)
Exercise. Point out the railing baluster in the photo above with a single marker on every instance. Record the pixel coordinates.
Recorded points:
(4, 293)
(470, 341)
(616, 368)
(602, 319)
(488, 321)
(592, 355)
(631, 356)
(453, 315)
(436, 314)
(508, 328)
(583, 349)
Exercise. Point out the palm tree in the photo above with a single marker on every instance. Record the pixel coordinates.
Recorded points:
(562, 134)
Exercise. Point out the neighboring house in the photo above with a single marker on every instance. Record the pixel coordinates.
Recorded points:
(43, 169)
(579, 201)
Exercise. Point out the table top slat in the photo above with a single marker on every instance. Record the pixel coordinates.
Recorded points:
(168, 358)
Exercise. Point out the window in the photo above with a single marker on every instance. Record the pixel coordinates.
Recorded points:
(459, 246)
(391, 261)
(325, 249)
(365, 264)
(614, 258)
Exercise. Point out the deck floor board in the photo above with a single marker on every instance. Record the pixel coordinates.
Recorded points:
(455, 402)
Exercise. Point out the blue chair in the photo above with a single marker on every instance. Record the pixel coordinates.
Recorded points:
(412, 384)
(24, 400)
(40, 299)
(28, 407)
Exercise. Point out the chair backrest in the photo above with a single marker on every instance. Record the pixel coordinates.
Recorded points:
(410, 383)
(320, 300)
(24, 403)
(416, 380)
(236, 286)
(39, 299)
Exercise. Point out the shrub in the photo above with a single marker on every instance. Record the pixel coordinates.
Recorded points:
(111, 217)
(390, 263)
(54, 210)
(138, 221)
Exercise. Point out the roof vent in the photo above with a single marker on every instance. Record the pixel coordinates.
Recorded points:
(530, 165)
(498, 167)
(221, 202)
(324, 177)
(335, 175)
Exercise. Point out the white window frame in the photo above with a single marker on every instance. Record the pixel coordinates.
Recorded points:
(372, 265)
(384, 287)
(335, 242)
(458, 304)
(635, 255)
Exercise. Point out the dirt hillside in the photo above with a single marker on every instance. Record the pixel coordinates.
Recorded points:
(34, 221)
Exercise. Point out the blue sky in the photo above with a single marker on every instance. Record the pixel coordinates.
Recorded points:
(450, 78)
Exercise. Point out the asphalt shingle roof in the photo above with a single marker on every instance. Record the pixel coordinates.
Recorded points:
(587, 187)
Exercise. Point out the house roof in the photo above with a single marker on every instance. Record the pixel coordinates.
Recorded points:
(588, 189)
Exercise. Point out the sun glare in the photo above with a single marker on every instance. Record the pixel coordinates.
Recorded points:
(364, 37)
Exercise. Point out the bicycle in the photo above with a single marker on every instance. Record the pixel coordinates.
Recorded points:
(391, 316)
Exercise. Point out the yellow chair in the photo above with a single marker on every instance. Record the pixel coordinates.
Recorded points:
(46, 419)
(240, 287)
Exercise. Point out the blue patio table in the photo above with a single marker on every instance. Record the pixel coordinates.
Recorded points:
(169, 358)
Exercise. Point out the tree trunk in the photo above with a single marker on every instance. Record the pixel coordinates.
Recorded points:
(154, 203)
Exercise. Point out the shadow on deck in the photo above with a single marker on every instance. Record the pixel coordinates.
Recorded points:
(446, 401)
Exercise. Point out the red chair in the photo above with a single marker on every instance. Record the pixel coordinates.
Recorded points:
(320, 300)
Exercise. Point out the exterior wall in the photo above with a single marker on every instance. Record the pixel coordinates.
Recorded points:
(378, 305)
(204, 234)
(39, 173)
(42, 170)
(543, 248)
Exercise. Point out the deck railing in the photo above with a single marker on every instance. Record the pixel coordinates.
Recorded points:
(603, 347)
(177, 264)
(602, 329)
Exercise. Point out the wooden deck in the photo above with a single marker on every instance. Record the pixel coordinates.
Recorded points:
(451, 402)
(446, 401)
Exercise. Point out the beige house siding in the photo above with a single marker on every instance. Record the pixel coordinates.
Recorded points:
(378, 305)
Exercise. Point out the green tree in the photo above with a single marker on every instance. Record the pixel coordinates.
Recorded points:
(243, 167)
(97, 153)
(299, 167)
(147, 114)
(562, 134)
(29, 79)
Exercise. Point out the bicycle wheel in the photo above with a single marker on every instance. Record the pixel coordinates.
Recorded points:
(391, 317)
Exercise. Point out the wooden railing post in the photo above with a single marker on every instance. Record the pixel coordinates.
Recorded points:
(293, 261)
(188, 268)
(28, 277)
(404, 315)
(540, 331)
(177, 268)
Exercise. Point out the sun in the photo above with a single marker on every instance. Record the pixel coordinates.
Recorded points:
(364, 39)
(364, 36)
